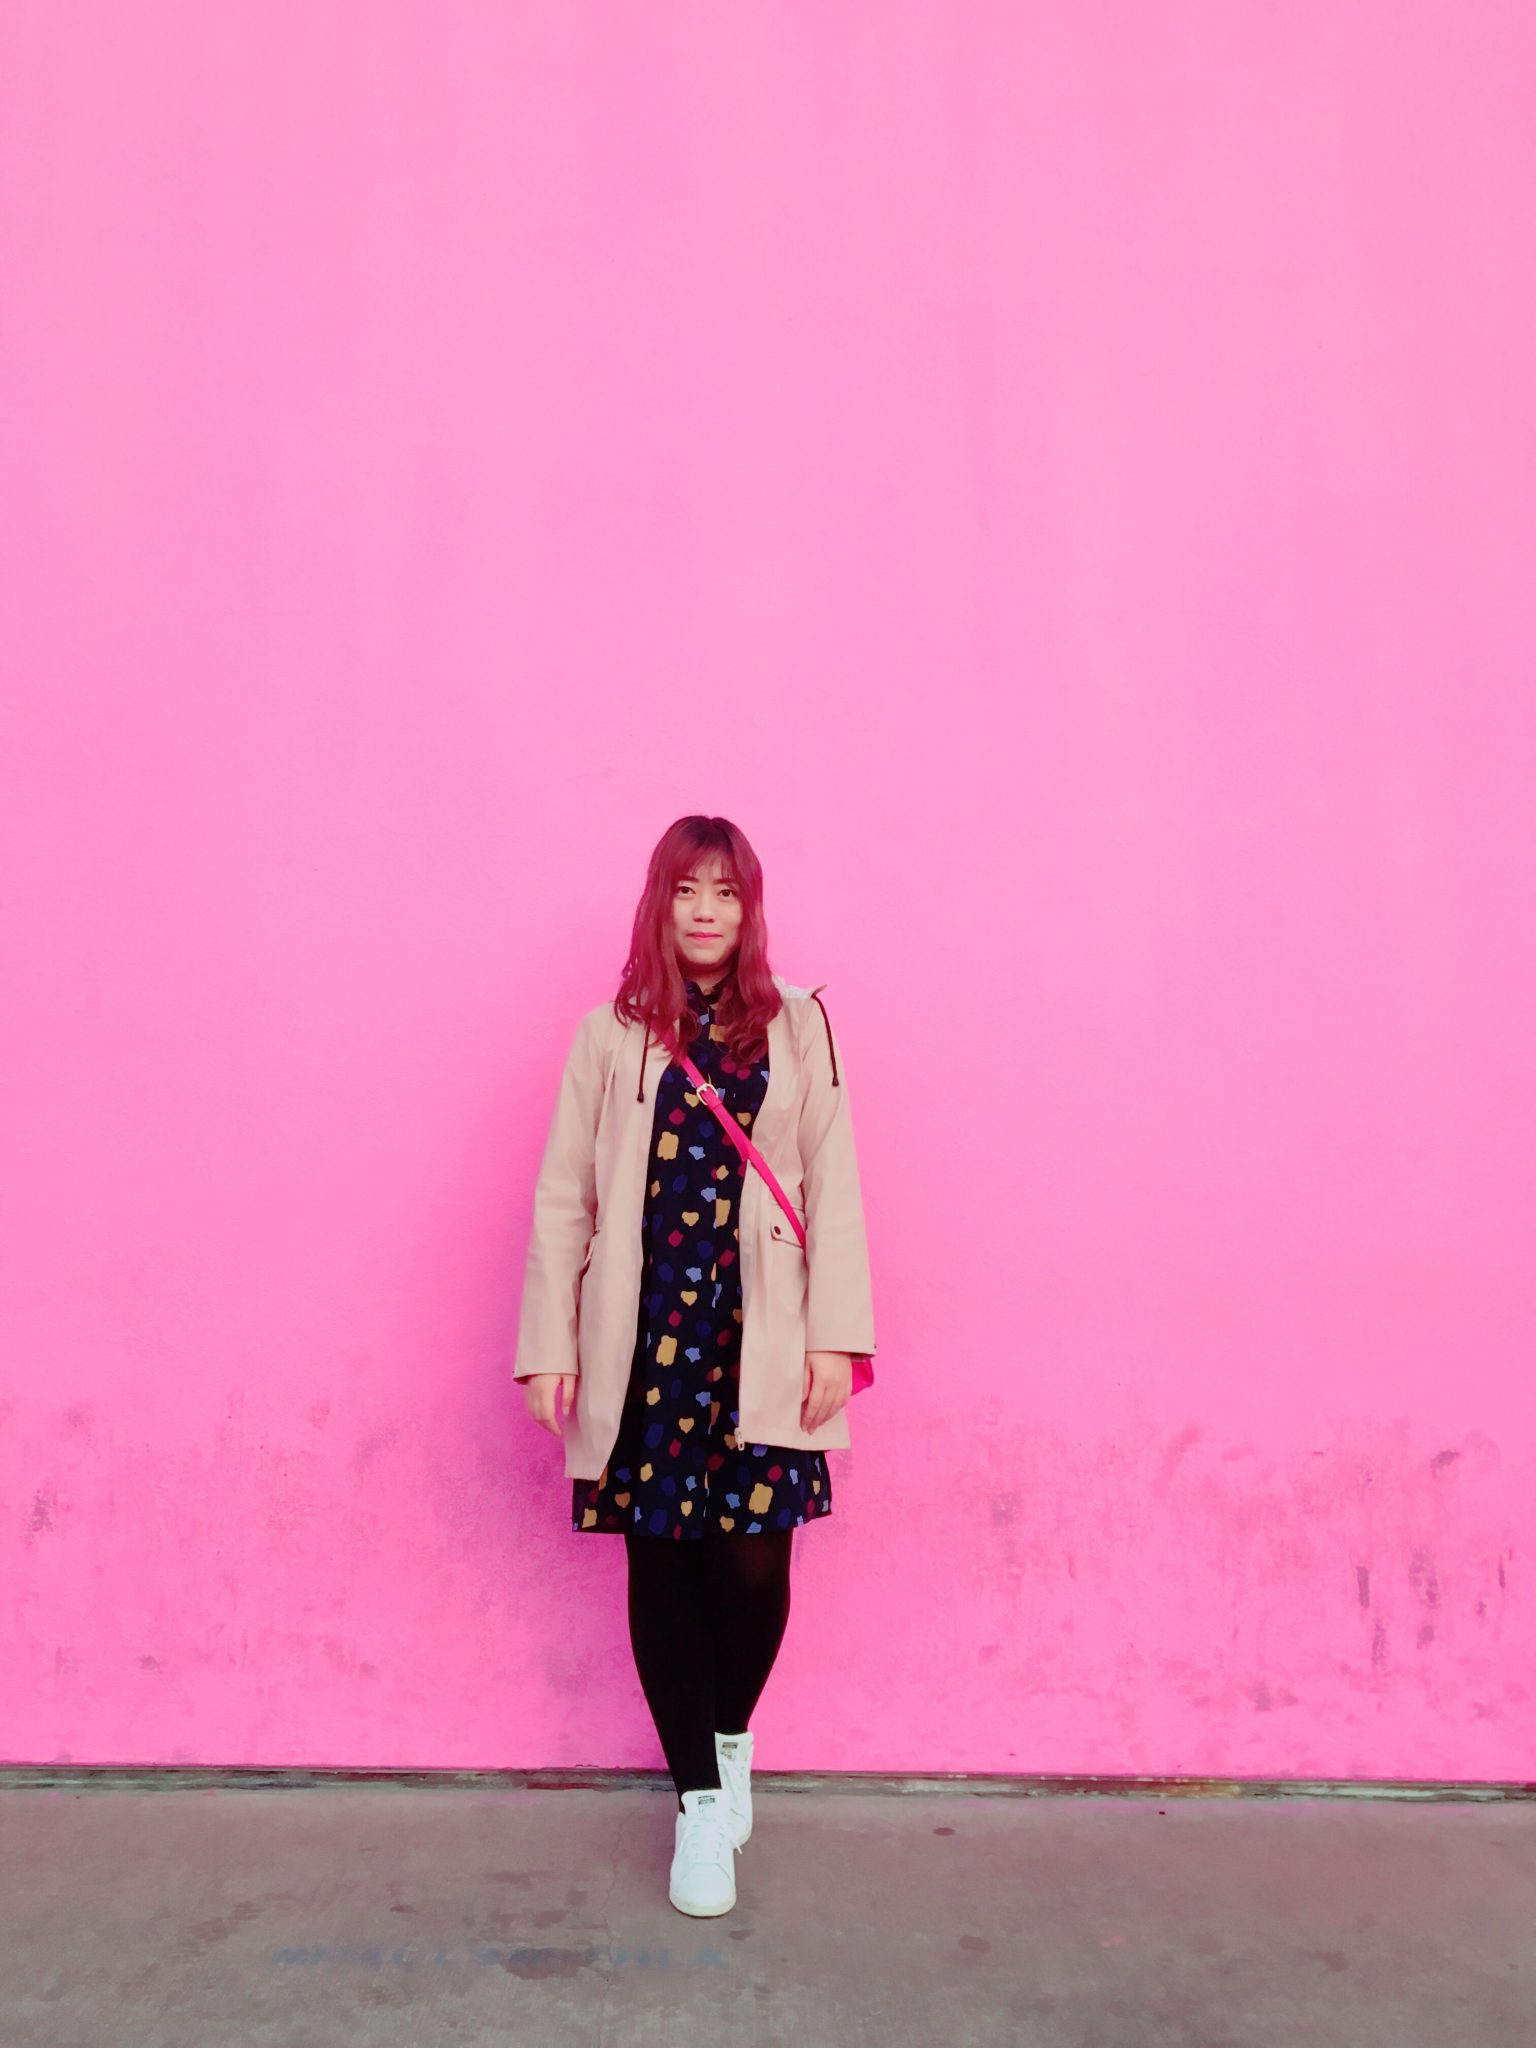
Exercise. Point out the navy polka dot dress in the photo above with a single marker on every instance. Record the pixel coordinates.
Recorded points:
(677, 1467)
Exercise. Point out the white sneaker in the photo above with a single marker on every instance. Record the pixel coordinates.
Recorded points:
(733, 1753)
(704, 1856)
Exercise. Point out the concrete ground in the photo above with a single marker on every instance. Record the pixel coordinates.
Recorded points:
(177, 1917)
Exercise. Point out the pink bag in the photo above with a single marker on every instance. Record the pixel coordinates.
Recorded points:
(863, 1362)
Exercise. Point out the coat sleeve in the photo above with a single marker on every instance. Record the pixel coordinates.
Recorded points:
(564, 1211)
(839, 1306)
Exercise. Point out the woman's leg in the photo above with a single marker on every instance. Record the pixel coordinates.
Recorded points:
(670, 1632)
(749, 1605)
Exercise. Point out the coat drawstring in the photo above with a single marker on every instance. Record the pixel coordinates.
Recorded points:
(831, 1048)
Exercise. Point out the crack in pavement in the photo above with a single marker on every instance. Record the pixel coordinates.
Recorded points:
(607, 1927)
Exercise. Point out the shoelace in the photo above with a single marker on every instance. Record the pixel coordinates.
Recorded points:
(707, 1838)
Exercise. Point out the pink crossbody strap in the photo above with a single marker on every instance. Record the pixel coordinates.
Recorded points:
(863, 1364)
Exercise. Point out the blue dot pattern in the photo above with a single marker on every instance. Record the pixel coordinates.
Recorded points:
(678, 1467)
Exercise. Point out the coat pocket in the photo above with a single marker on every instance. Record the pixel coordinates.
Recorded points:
(782, 1231)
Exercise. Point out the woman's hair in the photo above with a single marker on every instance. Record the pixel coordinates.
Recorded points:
(651, 990)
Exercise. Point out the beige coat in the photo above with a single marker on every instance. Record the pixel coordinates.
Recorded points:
(581, 1285)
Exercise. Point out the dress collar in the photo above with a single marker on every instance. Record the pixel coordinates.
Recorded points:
(697, 1000)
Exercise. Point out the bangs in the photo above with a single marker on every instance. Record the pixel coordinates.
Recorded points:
(704, 862)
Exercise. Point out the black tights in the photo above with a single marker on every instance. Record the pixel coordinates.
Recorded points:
(706, 1617)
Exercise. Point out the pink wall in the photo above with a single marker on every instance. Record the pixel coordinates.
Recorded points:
(1062, 478)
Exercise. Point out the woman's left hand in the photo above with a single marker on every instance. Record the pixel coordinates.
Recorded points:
(827, 1386)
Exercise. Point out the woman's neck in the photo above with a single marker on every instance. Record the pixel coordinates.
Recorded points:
(710, 982)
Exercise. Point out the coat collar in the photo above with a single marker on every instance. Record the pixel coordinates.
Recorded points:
(780, 1046)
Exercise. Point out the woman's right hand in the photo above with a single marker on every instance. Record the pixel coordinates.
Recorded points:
(544, 1390)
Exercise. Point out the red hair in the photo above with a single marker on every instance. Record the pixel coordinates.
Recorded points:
(651, 991)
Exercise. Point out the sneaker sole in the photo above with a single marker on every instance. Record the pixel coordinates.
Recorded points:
(703, 1912)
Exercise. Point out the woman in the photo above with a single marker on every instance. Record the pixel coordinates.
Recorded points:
(703, 1358)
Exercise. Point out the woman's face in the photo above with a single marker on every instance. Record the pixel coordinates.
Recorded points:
(706, 923)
